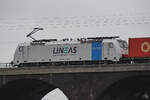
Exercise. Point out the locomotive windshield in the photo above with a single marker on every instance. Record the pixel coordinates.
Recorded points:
(123, 44)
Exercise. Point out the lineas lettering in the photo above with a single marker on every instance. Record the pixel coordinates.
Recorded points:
(65, 50)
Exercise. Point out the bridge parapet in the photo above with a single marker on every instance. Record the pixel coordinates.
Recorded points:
(84, 82)
(76, 69)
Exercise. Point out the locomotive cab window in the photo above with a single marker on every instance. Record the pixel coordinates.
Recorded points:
(111, 45)
(20, 48)
(123, 44)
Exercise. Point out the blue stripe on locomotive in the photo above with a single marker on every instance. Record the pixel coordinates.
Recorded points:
(97, 51)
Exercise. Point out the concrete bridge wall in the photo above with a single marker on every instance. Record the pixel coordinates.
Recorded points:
(91, 83)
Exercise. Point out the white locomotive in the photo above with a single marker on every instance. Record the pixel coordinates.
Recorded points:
(81, 51)
(69, 51)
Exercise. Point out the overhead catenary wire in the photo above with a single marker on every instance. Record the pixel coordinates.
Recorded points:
(77, 21)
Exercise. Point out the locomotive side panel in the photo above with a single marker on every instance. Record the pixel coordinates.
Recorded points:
(109, 51)
(38, 53)
(62, 52)
(85, 52)
(70, 52)
(112, 51)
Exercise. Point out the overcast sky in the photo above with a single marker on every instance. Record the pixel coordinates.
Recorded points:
(70, 18)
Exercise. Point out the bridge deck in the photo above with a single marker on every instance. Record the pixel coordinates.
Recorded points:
(76, 69)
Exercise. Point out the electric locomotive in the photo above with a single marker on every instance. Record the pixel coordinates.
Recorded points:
(91, 50)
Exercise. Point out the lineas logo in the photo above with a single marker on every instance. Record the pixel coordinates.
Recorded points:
(145, 47)
(65, 50)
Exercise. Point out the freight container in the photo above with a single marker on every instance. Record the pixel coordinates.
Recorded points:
(139, 47)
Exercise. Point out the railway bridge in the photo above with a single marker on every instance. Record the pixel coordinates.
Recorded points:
(78, 82)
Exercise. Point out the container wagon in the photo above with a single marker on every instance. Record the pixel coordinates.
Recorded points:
(139, 49)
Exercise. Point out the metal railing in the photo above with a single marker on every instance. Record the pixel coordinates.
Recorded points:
(6, 65)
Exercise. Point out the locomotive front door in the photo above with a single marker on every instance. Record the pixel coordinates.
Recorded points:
(108, 51)
(25, 53)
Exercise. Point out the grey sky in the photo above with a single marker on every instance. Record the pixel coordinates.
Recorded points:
(70, 18)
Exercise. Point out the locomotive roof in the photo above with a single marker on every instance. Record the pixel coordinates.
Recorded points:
(67, 41)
